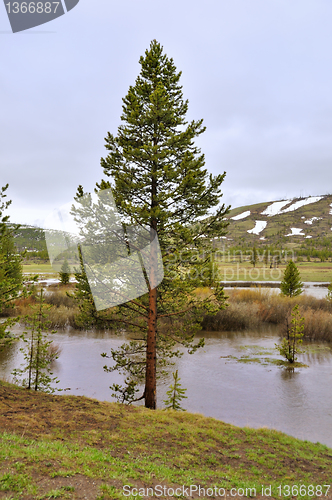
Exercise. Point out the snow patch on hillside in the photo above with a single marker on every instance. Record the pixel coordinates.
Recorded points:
(331, 209)
(274, 208)
(241, 216)
(310, 221)
(295, 232)
(259, 226)
(301, 203)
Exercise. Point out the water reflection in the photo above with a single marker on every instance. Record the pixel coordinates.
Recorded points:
(316, 354)
(297, 401)
(8, 356)
(289, 372)
(315, 289)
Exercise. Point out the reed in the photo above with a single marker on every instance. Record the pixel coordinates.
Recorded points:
(255, 308)
(60, 298)
(317, 325)
(61, 313)
(61, 317)
(247, 309)
(236, 316)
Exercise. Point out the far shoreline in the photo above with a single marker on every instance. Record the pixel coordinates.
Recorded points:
(269, 284)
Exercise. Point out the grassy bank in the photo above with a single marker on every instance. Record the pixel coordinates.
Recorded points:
(254, 308)
(39, 267)
(75, 447)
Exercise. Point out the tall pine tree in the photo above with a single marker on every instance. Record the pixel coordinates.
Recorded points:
(159, 182)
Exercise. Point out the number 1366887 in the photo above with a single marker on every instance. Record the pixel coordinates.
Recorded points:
(302, 490)
(32, 7)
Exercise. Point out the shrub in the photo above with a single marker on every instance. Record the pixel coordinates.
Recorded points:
(235, 317)
(61, 317)
(62, 313)
(318, 325)
(253, 308)
(60, 298)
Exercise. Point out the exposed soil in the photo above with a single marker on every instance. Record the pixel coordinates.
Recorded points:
(88, 422)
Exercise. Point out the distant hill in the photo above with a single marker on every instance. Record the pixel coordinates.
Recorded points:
(30, 238)
(31, 241)
(293, 222)
(296, 220)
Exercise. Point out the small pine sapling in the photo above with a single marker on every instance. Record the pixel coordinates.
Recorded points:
(329, 293)
(36, 355)
(64, 273)
(289, 346)
(291, 284)
(175, 394)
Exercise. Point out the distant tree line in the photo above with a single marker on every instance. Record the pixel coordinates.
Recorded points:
(30, 241)
(260, 253)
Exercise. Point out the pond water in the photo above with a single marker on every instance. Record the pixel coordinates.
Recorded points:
(317, 289)
(298, 401)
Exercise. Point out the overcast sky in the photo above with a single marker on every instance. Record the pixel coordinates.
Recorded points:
(258, 72)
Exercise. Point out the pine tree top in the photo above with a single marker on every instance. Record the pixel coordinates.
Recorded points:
(157, 173)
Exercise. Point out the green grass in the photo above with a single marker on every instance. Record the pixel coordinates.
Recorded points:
(261, 355)
(244, 271)
(315, 271)
(34, 268)
(232, 271)
(64, 446)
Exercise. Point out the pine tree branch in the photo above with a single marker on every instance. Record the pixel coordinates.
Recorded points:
(120, 320)
(176, 313)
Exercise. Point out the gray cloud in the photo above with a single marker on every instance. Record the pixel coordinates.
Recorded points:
(258, 72)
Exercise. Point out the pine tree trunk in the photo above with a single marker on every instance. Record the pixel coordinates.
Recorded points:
(37, 361)
(150, 374)
(31, 357)
(151, 348)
